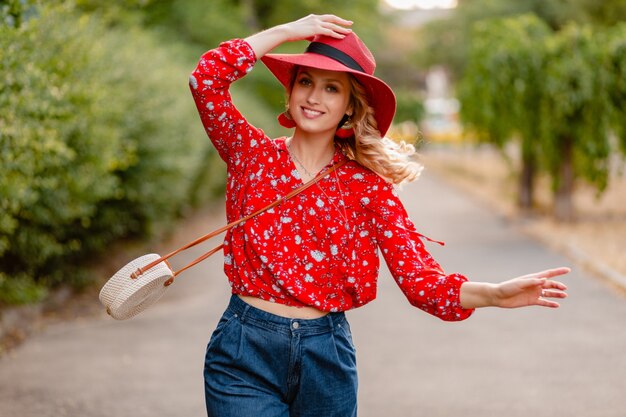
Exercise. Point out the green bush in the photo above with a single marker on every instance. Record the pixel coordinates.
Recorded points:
(99, 139)
(20, 289)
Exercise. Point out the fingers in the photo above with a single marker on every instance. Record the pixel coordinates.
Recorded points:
(335, 26)
(544, 301)
(547, 303)
(335, 32)
(553, 294)
(533, 289)
(551, 289)
(549, 273)
(554, 284)
(541, 278)
(336, 20)
(326, 24)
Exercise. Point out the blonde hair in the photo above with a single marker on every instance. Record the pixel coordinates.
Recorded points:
(394, 161)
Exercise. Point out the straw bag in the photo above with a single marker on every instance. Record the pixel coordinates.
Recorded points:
(144, 280)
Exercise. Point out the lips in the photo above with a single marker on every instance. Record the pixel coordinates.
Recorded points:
(311, 114)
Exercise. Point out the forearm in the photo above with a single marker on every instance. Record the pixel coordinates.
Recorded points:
(478, 294)
(305, 28)
(263, 42)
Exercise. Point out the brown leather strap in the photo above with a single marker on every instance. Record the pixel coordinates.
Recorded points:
(222, 229)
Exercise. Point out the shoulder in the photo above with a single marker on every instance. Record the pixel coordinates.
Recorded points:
(264, 148)
(371, 189)
(355, 174)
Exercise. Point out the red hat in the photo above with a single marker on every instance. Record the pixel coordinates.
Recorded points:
(348, 55)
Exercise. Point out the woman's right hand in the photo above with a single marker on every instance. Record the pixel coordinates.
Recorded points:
(305, 28)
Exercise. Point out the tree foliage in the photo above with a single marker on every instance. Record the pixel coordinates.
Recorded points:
(575, 104)
(502, 87)
(614, 44)
(559, 92)
(448, 41)
(503, 78)
(98, 140)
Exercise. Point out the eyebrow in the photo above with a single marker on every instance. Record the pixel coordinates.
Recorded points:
(325, 79)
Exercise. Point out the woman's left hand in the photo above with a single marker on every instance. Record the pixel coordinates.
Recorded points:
(532, 289)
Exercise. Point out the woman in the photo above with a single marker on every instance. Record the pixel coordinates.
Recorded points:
(283, 346)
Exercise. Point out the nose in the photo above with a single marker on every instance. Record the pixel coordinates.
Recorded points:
(313, 97)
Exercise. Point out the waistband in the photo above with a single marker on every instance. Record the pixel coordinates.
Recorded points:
(247, 313)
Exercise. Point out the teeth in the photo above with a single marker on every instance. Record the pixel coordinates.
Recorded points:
(312, 112)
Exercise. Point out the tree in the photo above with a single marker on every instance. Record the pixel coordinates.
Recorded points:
(562, 93)
(614, 44)
(447, 42)
(502, 87)
(575, 131)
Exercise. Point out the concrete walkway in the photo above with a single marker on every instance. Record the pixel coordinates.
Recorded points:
(516, 363)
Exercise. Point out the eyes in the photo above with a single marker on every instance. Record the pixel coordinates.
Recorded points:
(329, 87)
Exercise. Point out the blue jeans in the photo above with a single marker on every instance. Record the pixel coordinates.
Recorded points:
(262, 365)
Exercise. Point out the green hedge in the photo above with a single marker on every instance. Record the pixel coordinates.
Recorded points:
(99, 139)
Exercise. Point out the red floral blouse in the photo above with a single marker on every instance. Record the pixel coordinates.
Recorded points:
(320, 248)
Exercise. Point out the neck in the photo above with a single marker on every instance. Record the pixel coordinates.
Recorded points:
(313, 151)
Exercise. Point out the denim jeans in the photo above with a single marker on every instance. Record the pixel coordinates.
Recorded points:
(262, 365)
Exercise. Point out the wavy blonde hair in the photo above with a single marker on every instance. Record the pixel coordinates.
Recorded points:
(392, 160)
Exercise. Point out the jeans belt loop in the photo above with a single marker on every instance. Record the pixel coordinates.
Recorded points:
(244, 312)
(331, 321)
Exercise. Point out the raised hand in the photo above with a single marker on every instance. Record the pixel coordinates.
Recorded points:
(312, 25)
(305, 28)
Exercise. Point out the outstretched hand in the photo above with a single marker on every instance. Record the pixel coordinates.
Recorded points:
(536, 289)
(532, 289)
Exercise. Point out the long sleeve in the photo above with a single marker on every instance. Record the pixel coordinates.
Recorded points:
(231, 134)
(419, 276)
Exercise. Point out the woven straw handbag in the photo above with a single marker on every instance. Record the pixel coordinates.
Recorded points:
(144, 280)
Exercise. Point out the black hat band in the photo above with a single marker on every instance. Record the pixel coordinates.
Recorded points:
(334, 53)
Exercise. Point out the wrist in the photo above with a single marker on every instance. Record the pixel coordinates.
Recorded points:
(493, 291)
(479, 294)
(286, 33)
(263, 42)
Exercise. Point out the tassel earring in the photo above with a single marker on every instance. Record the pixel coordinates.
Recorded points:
(285, 120)
(346, 128)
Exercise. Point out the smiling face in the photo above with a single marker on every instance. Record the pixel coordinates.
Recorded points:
(319, 99)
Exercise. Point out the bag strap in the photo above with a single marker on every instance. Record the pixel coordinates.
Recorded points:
(222, 229)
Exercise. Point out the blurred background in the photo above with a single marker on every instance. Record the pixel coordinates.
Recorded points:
(519, 102)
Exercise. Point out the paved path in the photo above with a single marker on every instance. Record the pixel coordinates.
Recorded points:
(531, 362)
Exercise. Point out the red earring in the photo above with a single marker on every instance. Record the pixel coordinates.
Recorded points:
(346, 130)
(285, 120)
